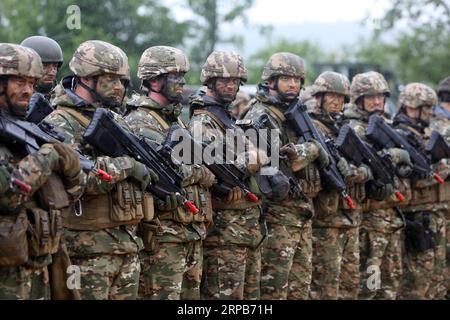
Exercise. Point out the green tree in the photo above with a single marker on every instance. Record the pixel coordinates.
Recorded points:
(133, 25)
(214, 15)
(311, 52)
(421, 47)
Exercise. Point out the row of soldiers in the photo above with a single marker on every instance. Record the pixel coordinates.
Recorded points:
(73, 235)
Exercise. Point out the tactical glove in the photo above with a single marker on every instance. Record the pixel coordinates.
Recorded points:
(344, 168)
(400, 156)
(323, 159)
(142, 174)
(69, 160)
(382, 193)
(207, 178)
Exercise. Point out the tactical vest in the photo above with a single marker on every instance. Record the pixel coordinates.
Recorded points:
(127, 204)
(199, 195)
(36, 229)
(311, 184)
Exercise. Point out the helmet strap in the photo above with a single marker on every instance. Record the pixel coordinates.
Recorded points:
(97, 96)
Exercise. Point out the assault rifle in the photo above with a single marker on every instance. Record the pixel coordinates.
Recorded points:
(301, 122)
(383, 136)
(106, 135)
(38, 108)
(358, 151)
(228, 174)
(264, 122)
(437, 147)
(30, 136)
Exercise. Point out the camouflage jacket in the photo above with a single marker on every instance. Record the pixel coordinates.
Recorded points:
(40, 210)
(425, 192)
(179, 225)
(330, 209)
(114, 240)
(290, 211)
(236, 222)
(379, 215)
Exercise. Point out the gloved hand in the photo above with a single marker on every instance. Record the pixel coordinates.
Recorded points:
(5, 178)
(235, 194)
(323, 159)
(400, 156)
(345, 169)
(69, 160)
(171, 202)
(404, 171)
(382, 193)
(142, 174)
(207, 178)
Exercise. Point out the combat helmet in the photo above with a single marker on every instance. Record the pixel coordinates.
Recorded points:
(416, 94)
(222, 64)
(330, 81)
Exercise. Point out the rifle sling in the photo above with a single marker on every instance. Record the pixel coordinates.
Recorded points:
(82, 119)
(212, 116)
(163, 123)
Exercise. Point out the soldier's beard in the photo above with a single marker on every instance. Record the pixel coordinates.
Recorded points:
(45, 87)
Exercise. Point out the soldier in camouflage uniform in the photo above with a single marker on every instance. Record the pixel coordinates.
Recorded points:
(52, 59)
(287, 255)
(335, 225)
(172, 259)
(423, 264)
(232, 255)
(381, 226)
(101, 233)
(440, 122)
(30, 227)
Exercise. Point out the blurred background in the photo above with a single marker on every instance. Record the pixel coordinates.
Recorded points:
(406, 40)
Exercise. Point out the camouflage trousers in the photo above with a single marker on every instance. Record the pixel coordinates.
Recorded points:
(381, 264)
(287, 262)
(108, 276)
(423, 272)
(173, 272)
(438, 225)
(22, 283)
(335, 263)
(447, 252)
(231, 272)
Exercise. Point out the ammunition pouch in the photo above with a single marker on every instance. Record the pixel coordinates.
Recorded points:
(357, 193)
(148, 232)
(201, 198)
(123, 206)
(311, 184)
(444, 192)
(427, 195)
(45, 231)
(326, 203)
(13, 240)
(242, 204)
